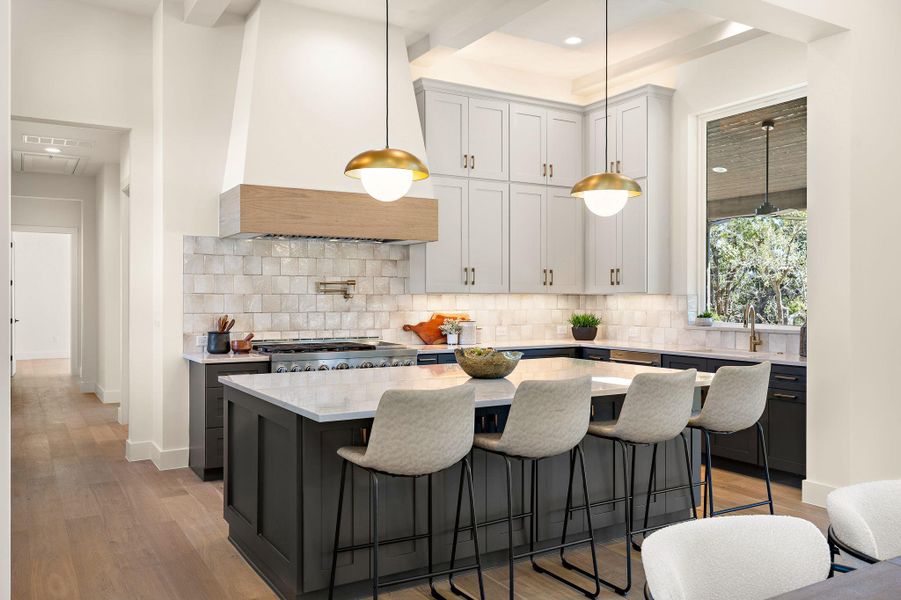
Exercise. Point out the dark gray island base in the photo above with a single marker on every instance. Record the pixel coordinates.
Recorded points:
(281, 494)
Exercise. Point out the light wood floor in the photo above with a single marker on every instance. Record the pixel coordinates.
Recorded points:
(88, 524)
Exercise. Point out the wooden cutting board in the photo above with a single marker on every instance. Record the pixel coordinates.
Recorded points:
(429, 332)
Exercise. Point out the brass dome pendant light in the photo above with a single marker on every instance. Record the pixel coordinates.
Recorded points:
(605, 194)
(386, 174)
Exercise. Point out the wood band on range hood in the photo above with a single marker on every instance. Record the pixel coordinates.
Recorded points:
(254, 210)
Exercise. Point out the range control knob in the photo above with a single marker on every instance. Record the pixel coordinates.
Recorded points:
(309, 368)
(342, 366)
(367, 365)
(384, 363)
(408, 363)
(296, 369)
(281, 369)
(323, 367)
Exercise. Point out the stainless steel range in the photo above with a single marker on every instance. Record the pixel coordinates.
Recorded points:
(334, 354)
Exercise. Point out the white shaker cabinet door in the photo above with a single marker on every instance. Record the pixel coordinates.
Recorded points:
(564, 148)
(632, 138)
(528, 130)
(602, 253)
(634, 233)
(527, 205)
(446, 258)
(565, 241)
(489, 241)
(489, 139)
(599, 124)
(447, 133)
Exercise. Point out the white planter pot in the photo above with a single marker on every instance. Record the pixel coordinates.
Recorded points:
(452, 339)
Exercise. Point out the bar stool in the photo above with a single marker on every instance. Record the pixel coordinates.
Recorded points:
(735, 401)
(656, 410)
(865, 522)
(406, 443)
(749, 557)
(547, 418)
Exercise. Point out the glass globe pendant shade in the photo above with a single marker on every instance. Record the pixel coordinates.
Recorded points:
(386, 185)
(605, 203)
(387, 174)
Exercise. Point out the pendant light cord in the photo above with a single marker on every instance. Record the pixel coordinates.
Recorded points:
(766, 188)
(606, 77)
(386, 74)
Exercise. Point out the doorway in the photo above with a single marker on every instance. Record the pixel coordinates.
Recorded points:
(44, 295)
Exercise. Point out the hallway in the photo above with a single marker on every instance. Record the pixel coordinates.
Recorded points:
(88, 524)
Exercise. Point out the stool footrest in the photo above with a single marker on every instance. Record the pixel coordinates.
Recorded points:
(432, 575)
(604, 582)
(364, 546)
(551, 549)
(732, 509)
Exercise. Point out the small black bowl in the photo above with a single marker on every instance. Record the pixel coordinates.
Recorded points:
(218, 342)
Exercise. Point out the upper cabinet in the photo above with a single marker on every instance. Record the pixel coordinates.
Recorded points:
(545, 145)
(465, 137)
(630, 252)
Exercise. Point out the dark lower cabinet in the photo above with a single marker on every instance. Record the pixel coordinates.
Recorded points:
(206, 414)
(600, 354)
(786, 425)
(686, 362)
(446, 358)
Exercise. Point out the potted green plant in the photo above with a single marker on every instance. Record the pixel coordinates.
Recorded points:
(584, 325)
(705, 319)
(451, 328)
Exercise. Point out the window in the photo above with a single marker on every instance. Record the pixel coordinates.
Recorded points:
(757, 214)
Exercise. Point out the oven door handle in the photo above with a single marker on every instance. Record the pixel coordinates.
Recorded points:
(644, 363)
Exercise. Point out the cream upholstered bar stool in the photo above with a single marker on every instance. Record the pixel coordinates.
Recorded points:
(735, 401)
(406, 443)
(865, 522)
(656, 410)
(748, 557)
(547, 418)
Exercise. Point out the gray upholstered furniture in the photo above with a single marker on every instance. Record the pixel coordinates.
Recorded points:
(865, 521)
(547, 418)
(749, 557)
(735, 401)
(656, 410)
(405, 443)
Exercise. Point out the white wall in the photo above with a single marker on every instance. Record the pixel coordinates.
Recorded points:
(43, 294)
(5, 456)
(111, 86)
(41, 200)
(109, 284)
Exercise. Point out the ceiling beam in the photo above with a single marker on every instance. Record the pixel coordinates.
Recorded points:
(474, 22)
(771, 16)
(204, 12)
(707, 41)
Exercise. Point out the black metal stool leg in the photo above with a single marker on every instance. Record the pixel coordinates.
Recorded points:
(567, 515)
(708, 475)
(766, 467)
(430, 532)
(374, 493)
(331, 582)
(465, 474)
(652, 483)
(510, 524)
(628, 476)
(475, 529)
(453, 557)
(691, 482)
(594, 556)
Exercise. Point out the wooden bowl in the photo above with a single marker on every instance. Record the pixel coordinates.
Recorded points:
(241, 346)
(486, 363)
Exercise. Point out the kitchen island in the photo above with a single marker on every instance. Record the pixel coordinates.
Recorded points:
(282, 432)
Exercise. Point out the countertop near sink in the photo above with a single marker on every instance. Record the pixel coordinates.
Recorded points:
(662, 348)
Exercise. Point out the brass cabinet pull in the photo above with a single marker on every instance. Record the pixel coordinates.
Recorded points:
(364, 436)
(552, 169)
(784, 396)
(611, 167)
(484, 422)
(472, 161)
(465, 275)
(496, 420)
(465, 161)
(619, 168)
(473, 276)
(618, 282)
(592, 411)
(784, 377)
(552, 277)
(611, 277)
(544, 169)
(545, 277)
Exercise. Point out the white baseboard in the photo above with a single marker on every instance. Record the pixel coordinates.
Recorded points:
(50, 354)
(87, 387)
(162, 459)
(108, 396)
(813, 492)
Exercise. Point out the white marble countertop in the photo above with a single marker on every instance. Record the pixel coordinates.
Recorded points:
(212, 359)
(325, 396)
(661, 348)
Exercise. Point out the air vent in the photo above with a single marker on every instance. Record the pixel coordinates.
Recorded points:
(47, 140)
(272, 236)
(34, 162)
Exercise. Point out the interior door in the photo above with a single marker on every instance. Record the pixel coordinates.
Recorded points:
(489, 139)
(447, 133)
(446, 258)
(564, 241)
(527, 206)
(12, 309)
(632, 137)
(634, 246)
(564, 148)
(528, 144)
(489, 241)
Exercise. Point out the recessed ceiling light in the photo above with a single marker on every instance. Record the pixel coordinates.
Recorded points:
(719, 169)
(573, 40)
(52, 150)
